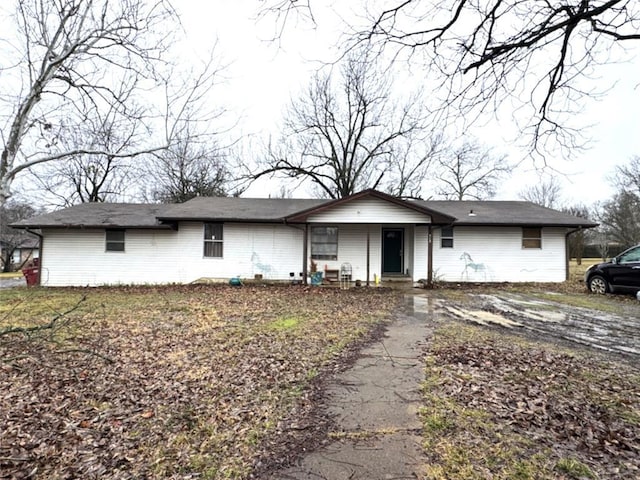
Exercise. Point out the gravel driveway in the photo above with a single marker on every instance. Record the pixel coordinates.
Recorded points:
(617, 333)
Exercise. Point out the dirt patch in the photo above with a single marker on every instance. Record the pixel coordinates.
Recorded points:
(549, 317)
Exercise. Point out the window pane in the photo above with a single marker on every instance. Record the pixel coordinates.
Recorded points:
(115, 235)
(114, 240)
(324, 243)
(446, 237)
(213, 249)
(532, 237)
(531, 243)
(213, 231)
(115, 246)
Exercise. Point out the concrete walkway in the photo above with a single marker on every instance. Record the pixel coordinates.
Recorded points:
(375, 408)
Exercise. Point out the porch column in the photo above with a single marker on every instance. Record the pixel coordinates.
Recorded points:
(368, 251)
(305, 242)
(429, 258)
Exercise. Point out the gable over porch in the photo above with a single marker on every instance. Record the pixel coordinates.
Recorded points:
(374, 234)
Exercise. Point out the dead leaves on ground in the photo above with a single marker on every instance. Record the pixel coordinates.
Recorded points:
(524, 410)
(201, 382)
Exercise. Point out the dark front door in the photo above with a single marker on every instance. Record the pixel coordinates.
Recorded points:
(392, 255)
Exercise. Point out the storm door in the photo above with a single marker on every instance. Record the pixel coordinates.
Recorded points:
(392, 250)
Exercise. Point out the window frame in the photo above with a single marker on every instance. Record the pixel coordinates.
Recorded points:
(448, 238)
(324, 256)
(209, 243)
(529, 241)
(110, 243)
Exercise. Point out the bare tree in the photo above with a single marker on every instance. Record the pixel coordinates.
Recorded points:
(187, 170)
(70, 54)
(541, 54)
(345, 133)
(471, 171)
(628, 176)
(547, 193)
(10, 238)
(85, 178)
(620, 218)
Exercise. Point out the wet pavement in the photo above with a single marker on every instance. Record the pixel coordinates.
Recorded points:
(615, 333)
(375, 406)
(12, 282)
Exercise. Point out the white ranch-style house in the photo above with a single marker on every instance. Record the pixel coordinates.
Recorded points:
(378, 236)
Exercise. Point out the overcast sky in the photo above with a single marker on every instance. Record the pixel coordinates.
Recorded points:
(263, 76)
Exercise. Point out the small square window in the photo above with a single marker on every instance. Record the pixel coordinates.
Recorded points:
(446, 237)
(532, 237)
(114, 240)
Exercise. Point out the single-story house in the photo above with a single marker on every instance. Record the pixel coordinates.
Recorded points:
(372, 235)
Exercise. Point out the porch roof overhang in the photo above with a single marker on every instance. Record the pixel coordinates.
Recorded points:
(437, 218)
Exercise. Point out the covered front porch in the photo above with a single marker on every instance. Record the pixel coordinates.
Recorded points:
(368, 253)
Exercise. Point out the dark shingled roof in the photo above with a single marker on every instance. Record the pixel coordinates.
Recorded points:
(238, 209)
(100, 215)
(495, 212)
(232, 209)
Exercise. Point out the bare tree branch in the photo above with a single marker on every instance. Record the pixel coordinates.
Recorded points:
(344, 133)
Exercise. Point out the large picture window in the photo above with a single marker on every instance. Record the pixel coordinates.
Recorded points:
(213, 240)
(324, 243)
(114, 240)
(446, 237)
(532, 237)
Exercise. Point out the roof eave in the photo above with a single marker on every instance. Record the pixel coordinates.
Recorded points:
(524, 224)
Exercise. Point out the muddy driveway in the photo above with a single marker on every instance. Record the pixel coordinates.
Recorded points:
(611, 332)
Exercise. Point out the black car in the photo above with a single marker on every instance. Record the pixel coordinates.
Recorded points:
(620, 273)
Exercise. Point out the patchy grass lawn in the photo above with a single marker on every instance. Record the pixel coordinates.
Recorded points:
(177, 382)
(504, 407)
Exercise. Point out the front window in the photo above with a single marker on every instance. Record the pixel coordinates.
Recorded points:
(532, 237)
(446, 237)
(324, 243)
(213, 240)
(114, 240)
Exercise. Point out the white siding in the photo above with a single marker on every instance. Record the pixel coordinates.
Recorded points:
(369, 210)
(78, 257)
(420, 255)
(495, 254)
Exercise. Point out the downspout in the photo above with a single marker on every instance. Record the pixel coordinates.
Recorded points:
(567, 256)
(40, 245)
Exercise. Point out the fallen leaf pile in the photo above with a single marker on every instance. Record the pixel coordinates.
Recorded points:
(557, 404)
(176, 382)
